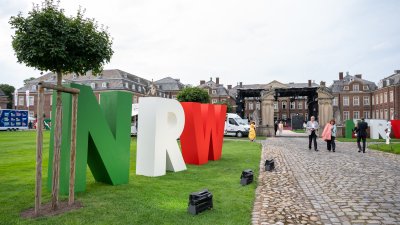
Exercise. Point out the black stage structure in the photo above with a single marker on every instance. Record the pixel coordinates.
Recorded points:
(292, 93)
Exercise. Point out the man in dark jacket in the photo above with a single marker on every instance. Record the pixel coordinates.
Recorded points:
(361, 130)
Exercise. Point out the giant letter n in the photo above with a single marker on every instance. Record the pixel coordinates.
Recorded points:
(103, 138)
(161, 122)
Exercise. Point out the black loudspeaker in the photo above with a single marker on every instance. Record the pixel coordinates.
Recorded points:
(200, 201)
(246, 177)
(269, 165)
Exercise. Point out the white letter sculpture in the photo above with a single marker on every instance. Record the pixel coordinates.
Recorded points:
(161, 122)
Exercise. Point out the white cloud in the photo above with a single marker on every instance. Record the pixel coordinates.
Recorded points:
(250, 41)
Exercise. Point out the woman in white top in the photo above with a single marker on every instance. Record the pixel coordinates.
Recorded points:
(312, 127)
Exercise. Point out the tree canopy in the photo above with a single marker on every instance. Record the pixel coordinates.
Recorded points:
(193, 94)
(47, 39)
(9, 91)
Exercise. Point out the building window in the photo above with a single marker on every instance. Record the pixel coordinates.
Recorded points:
(306, 116)
(377, 114)
(275, 105)
(51, 100)
(93, 85)
(391, 96)
(31, 100)
(214, 101)
(346, 100)
(381, 114)
(366, 100)
(346, 88)
(31, 113)
(173, 96)
(385, 97)
(366, 115)
(33, 88)
(335, 101)
(356, 115)
(306, 105)
(356, 87)
(139, 88)
(346, 115)
(133, 87)
(391, 113)
(250, 106)
(257, 106)
(376, 100)
(21, 100)
(104, 84)
(284, 116)
(214, 92)
(284, 105)
(126, 85)
(300, 105)
(292, 105)
(356, 100)
(386, 114)
(365, 87)
(373, 114)
(381, 98)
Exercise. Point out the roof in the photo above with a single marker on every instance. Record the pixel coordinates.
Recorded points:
(169, 84)
(393, 79)
(338, 85)
(221, 90)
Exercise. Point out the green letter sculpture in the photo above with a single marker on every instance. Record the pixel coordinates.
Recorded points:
(103, 138)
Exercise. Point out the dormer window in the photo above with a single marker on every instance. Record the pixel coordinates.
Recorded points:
(104, 84)
(214, 92)
(93, 85)
(346, 88)
(139, 88)
(365, 87)
(126, 85)
(33, 88)
(133, 87)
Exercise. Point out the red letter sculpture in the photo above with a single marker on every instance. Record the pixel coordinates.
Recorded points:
(203, 134)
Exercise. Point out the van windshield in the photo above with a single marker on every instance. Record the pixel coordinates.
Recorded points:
(242, 121)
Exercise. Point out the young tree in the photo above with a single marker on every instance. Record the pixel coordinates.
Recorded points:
(193, 94)
(48, 40)
(9, 91)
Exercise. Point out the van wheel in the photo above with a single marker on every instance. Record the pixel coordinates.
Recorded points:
(239, 134)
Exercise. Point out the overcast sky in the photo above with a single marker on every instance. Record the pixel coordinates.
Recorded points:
(250, 41)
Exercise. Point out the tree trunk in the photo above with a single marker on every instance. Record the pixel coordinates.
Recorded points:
(57, 147)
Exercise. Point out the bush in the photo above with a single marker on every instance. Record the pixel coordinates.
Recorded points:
(193, 94)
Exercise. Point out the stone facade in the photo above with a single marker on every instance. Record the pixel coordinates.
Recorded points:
(218, 93)
(3, 100)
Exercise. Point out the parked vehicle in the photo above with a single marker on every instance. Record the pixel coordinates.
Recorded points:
(13, 120)
(134, 119)
(236, 126)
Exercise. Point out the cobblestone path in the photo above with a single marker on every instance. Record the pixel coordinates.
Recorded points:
(342, 187)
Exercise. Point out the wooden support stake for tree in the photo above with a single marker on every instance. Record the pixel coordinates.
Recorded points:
(71, 199)
(39, 147)
(57, 147)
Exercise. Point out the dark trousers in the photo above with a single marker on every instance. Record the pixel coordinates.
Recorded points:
(364, 139)
(312, 137)
(331, 145)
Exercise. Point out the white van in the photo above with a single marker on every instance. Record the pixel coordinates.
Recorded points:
(236, 126)
(134, 119)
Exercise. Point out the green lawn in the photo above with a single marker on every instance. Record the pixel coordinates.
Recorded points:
(259, 138)
(368, 140)
(145, 200)
(392, 148)
(299, 131)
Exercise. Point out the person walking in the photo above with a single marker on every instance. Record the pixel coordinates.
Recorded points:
(361, 130)
(312, 127)
(252, 132)
(280, 127)
(276, 126)
(331, 145)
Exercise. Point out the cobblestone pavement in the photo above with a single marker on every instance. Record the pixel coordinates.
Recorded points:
(342, 187)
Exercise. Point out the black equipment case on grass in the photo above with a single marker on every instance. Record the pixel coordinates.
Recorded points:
(246, 177)
(200, 201)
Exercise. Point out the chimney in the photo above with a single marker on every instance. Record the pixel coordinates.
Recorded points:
(309, 83)
(229, 86)
(322, 84)
(210, 78)
(202, 82)
(397, 71)
(340, 75)
(217, 80)
(359, 76)
(240, 84)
